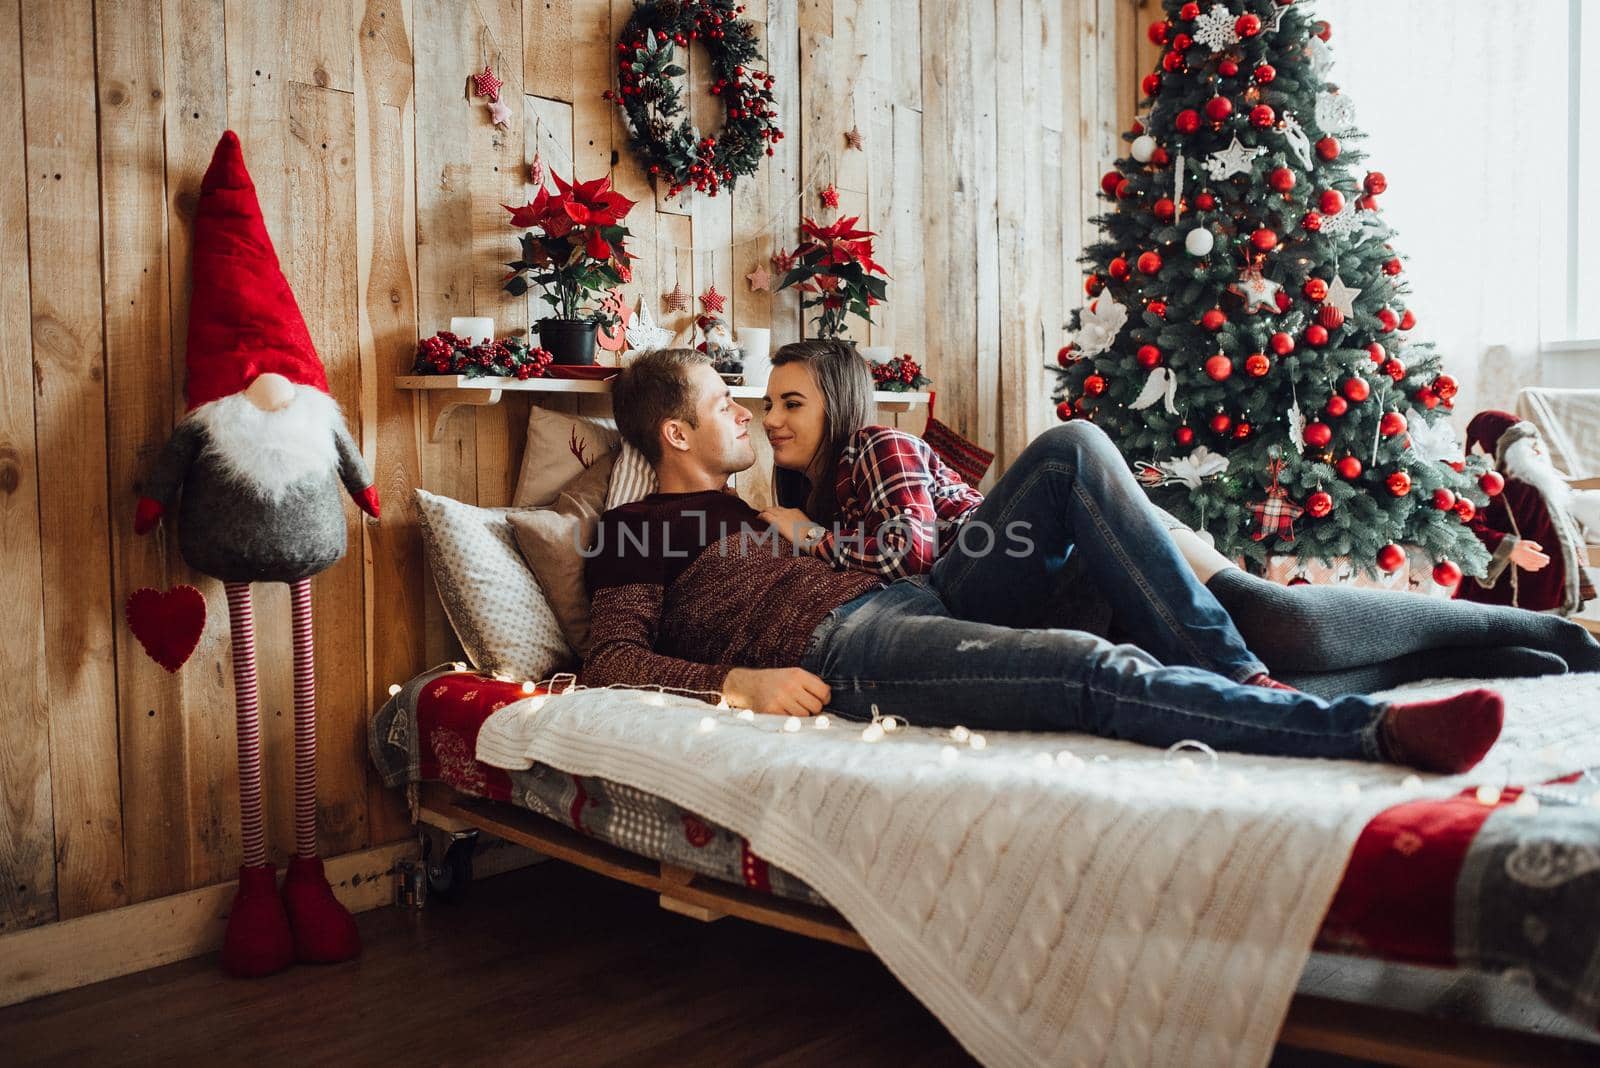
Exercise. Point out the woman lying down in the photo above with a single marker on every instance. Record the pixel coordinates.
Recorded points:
(689, 591)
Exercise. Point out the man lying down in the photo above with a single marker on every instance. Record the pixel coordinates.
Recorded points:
(693, 590)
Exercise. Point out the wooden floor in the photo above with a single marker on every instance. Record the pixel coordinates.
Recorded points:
(548, 965)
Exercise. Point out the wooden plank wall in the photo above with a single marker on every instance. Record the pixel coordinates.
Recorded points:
(986, 126)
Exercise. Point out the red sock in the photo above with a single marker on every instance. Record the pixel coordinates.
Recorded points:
(1267, 682)
(1449, 735)
(324, 930)
(257, 941)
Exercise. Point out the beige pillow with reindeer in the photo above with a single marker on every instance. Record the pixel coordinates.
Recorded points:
(560, 447)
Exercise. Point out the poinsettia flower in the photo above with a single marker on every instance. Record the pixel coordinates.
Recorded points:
(598, 248)
(592, 203)
(840, 228)
(525, 216)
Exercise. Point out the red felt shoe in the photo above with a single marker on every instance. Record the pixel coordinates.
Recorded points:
(258, 940)
(324, 930)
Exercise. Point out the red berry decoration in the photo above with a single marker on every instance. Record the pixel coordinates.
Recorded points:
(1109, 182)
(1205, 201)
(1158, 308)
(1064, 354)
(1189, 12)
(1446, 574)
(1407, 320)
(1316, 335)
(1149, 262)
(1336, 406)
(1221, 422)
(1157, 32)
(1312, 222)
(1391, 424)
(1064, 411)
(1213, 319)
(1492, 483)
(1119, 268)
(1281, 343)
(1331, 202)
(1264, 74)
(1394, 369)
(1465, 509)
(1390, 557)
(1188, 120)
(1356, 389)
(1218, 108)
(1094, 385)
(1256, 365)
(1219, 367)
(1280, 179)
(1263, 116)
(1446, 386)
(1387, 320)
(1399, 483)
(1330, 317)
(1315, 289)
(1184, 435)
(1444, 499)
(1151, 84)
(1317, 435)
(1319, 504)
(1149, 356)
(1247, 25)
(1349, 468)
(1164, 209)
(1376, 353)
(1374, 183)
(1328, 148)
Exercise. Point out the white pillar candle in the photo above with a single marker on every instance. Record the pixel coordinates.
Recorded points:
(878, 353)
(476, 329)
(755, 347)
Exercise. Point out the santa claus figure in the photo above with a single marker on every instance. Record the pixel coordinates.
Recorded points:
(1538, 550)
(255, 469)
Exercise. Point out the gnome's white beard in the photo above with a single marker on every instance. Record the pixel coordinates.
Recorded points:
(272, 451)
(1520, 461)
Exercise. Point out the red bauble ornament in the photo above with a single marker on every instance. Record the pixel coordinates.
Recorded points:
(1264, 74)
(1444, 499)
(1213, 319)
(1312, 222)
(1330, 317)
(1281, 343)
(1264, 240)
(1280, 179)
(1181, 42)
(1317, 434)
(1242, 431)
(1256, 365)
(1367, 202)
(1149, 262)
(1187, 122)
(1109, 182)
(1331, 201)
(1465, 509)
(1393, 267)
(1205, 201)
(1064, 411)
(1376, 353)
(1157, 32)
(1218, 108)
(1158, 308)
(1263, 116)
(1446, 574)
(1391, 424)
(1394, 369)
(1322, 29)
(1492, 483)
(1164, 209)
(1316, 335)
(1149, 356)
(1064, 354)
(1349, 468)
(1159, 157)
(1446, 386)
(1219, 367)
(1118, 268)
(1390, 557)
(1387, 320)
(1124, 189)
(1172, 62)
(1356, 389)
(1319, 504)
(1399, 483)
(1184, 435)
(1092, 285)
(1374, 183)
(1151, 84)
(1427, 398)
(1328, 148)
(1407, 320)
(1247, 25)
(1221, 422)
(1315, 289)
(1227, 68)
(1336, 406)
(1189, 12)
(1094, 385)
(1283, 300)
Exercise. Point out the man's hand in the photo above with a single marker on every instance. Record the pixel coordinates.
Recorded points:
(1529, 555)
(792, 523)
(776, 691)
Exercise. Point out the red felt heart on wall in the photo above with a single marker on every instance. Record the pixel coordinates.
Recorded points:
(169, 624)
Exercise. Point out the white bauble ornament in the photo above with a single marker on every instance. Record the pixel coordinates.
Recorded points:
(1144, 147)
(1200, 242)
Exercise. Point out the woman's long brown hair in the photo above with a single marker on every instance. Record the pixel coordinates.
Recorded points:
(843, 379)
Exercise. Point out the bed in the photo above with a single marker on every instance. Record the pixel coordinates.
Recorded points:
(1476, 882)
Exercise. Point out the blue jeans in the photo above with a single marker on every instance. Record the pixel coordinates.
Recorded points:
(945, 649)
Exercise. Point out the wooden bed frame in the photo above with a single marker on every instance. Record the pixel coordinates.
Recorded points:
(1322, 1024)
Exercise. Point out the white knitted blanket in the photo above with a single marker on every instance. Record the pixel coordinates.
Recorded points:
(1052, 898)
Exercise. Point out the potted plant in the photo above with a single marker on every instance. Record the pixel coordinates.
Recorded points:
(577, 254)
(833, 266)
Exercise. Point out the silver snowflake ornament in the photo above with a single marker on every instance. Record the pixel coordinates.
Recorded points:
(1215, 29)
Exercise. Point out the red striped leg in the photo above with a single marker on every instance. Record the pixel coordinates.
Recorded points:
(247, 720)
(305, 723)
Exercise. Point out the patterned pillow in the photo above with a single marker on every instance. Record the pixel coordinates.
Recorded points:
(492, 600)
(559, 448)
(632, 478)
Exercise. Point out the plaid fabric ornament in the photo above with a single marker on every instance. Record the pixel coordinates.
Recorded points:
(677, 300)
(712, 301)
(966, 458)
(1276, 514)
(486, 84)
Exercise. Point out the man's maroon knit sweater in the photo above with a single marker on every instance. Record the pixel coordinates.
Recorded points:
(687, 586)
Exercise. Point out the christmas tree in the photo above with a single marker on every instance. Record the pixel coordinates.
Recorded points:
(1246, 343)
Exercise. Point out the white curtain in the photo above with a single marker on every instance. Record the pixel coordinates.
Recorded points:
(1465, 108)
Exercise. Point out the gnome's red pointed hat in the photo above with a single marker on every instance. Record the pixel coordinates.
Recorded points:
(243, 319)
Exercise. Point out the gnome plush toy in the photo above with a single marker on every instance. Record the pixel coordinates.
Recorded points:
(255, 468)
(1538, 549)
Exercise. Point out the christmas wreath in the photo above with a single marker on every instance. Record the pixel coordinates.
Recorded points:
(650, 100)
